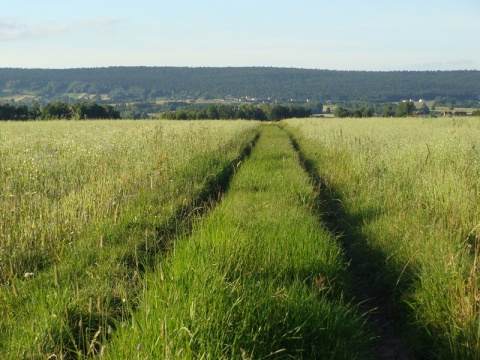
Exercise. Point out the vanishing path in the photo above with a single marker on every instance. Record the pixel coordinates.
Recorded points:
(257, 278)
(258, 275)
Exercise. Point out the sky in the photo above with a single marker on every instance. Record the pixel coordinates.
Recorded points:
(378, 35)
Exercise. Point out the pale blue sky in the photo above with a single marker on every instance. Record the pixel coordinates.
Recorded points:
(341, 34)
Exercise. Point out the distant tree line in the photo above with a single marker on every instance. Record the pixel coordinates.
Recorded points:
(21, 112)
(58, 110)
(264, 112)
(141, 110)
(452, 103)
(127, 84)
(363, 110)
(343, 112)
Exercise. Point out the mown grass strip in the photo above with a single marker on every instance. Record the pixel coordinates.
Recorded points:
(258, 278)
(71, 309)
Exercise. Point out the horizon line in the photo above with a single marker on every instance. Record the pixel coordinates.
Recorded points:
(227, 67)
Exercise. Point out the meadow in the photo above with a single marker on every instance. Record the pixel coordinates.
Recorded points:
(405, 196)
(85, 207)
(235, 239)
(258, 278)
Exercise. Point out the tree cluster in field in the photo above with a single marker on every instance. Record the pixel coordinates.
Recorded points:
(127, 84)
(141, 110)
(246, 112)
(452, 103)
(58, 110)
(362, 110)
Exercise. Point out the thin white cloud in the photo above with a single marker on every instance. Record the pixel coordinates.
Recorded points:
(13, 29)
(10, 29)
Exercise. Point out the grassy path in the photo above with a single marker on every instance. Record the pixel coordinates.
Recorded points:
(259, 277)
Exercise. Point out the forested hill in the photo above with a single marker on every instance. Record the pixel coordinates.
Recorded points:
(147, 83)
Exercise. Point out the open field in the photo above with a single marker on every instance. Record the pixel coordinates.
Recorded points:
(405, 195)
(311, 238)
(85, 207)
(257, 278)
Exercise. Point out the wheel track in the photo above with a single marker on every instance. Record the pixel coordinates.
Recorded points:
(368, 287)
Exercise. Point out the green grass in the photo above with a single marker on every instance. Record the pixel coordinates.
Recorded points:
(119, 238)
(259, 277)
(405, 193)
(85, 207)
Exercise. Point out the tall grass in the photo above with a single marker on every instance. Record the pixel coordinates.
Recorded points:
(83, 205)
(258, 278)
(411, 188)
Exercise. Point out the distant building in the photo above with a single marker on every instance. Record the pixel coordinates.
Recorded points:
(447, 113)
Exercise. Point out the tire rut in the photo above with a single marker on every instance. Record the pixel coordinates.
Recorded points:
(368, 288)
